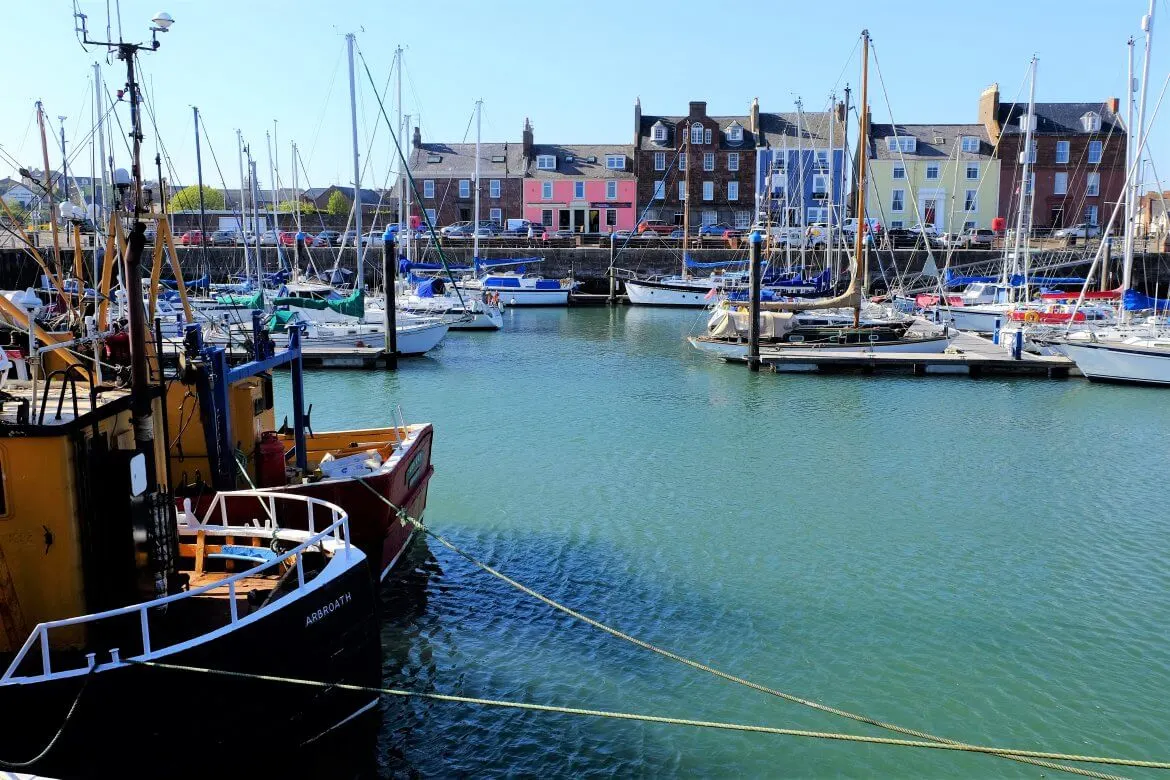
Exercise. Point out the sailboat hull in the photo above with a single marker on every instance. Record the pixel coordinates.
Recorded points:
(1120, 363)
(737, 350)
(972, 318)
(648, 293)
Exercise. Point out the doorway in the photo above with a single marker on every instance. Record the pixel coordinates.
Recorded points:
(464, 214)
(594, 221)
(578, 220)
(929, 211)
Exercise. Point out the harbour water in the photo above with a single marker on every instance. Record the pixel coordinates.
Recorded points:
(986, 560)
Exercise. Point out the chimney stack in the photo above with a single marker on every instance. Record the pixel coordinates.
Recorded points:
(989, 112)
(698, 109)
(527, 139)
(1113, 104)
(755, 121)
(417, 140)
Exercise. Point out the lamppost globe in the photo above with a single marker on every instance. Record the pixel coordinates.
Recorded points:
(163, 21)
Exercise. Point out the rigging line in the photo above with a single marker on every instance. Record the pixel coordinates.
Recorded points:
(325, 106)
(674, 656)
(634, 716)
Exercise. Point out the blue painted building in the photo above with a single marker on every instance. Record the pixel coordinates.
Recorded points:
(802, 169)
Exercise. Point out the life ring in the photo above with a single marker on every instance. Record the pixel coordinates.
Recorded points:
(1032, 317)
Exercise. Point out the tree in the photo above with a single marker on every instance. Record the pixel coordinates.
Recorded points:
(305, 206)
(187, 199)
(338, 205)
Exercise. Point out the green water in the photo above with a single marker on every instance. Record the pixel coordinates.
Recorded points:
(984, 560)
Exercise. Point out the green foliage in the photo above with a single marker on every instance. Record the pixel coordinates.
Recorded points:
(19, 212)
(305, 206)
(338, 205)
(187, 199)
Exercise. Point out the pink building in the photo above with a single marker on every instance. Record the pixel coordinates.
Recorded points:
(582, 189)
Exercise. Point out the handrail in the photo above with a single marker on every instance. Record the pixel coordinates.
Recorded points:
(338, 530)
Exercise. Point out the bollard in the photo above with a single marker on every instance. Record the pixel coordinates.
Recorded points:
(1018, 345)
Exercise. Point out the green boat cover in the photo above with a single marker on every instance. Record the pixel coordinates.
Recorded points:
(353, 305)
(247, 301)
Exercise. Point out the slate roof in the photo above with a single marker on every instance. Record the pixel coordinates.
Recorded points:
(927, 149)
(1059, 118)
(580, 165)
(778, 129)
(672, 123)
(313, 193)
(458, 160)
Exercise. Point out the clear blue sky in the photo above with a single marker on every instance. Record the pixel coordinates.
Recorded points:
(574, 70)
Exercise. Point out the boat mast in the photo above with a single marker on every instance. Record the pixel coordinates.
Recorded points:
(863, 134)
(832, 176)
(1130, 191)
(357, 171)
(475, 224)
(99, 119)
(243, 204)
(255, 188)
(272, 190)
(844, 191)
(199, 183)
(401, 134)
(686, 148)
(404, 232)
(1025, 208)
(296, 188)
(1148, 27)
(800, 179)
(786, 219)
(49, 186)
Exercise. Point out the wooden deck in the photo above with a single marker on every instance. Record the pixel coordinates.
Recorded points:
(968, 355)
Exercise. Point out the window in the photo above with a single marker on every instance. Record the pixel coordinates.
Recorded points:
(660, 161)
(817, 214)
(494, 188)
(546, 190)
(1091, 122)
(659, 191)
(932, 171)
(897, 224)
(733, 190)
(431, 216)
(822, 160)
(707, 136)
(1030, 184)
(1060, 183)
(658, 132)
(779, 183)
(611, 190)
(899, 171)
(1091, 215)
(970, 144)
(735, 133)
(778, 163)
(820, 184)
(1093, 185)
(496, 215)
(708, 161)
(682, 190)
(578, 190)
(696, 134)
(464, 188)
(546, 162)
(1031, 157)
(904, 143)
(682, 162)
(1062, 152)
(615, 162)
(710, 217)
(1094, 152)
(971, 201)
(611, 217)
(428, 188)
(969, 225)
(546, 217)
(733, 161)
(898, 201)
(708, 190)
(743, 219)
(972, 171)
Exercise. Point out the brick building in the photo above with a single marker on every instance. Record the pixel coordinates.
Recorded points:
(720, 153)
(1079, 159)
(445, 176)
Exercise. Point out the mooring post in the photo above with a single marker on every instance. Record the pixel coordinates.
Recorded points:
(389, 270)
(612, 280)
(754, 252)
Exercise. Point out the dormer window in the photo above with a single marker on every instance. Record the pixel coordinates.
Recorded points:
(497, 158)
(434, 158)
(1091, 122)
(735, 133)
(546, 162)
(696, 134)
(907, 144)
(1026, 120)
(615, 162)
(970, 144)
(658, 133)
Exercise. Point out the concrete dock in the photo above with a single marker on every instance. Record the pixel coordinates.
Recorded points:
(968, 355)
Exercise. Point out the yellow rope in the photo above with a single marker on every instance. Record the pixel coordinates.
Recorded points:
(710, 724)
(701, 666)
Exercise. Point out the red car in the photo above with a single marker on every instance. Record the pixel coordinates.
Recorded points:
(653, 228)
(289, 239)
(193, 237)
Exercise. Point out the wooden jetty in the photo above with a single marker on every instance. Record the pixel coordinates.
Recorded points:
(968, 355)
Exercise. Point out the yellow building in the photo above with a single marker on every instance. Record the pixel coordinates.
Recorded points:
(940, 175)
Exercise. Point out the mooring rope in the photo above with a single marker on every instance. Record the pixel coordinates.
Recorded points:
(921, 735)
(710, 724)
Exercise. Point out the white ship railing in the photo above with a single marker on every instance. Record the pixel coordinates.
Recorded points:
(335, 537)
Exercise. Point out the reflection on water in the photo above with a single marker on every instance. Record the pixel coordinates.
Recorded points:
(987, 560)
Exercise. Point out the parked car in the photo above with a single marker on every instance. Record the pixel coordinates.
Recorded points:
(928, 230)
(349, 238)
(849, 227)
(715, 230)
(900, 238)
(151, 234)
(677, 233)
(193, 238)
(376, 238)
(268, 238)
(456, 229)
(223, 238)
(327, 238)
(653, 229)
(1083, 230)
(979, 237)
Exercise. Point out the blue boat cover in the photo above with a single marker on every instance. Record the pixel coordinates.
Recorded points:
(502, 281)
(692, 264)
(426, 288)
(548, 284)
(484, 265)
(1136, 301)
(1017, 280)
(202, 281)
(953, 279)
